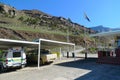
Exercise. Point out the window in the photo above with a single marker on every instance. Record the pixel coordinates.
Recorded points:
(16, 54)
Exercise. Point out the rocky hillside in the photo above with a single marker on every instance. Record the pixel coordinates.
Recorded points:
(54, 22)
(32, 24)
(28, 35)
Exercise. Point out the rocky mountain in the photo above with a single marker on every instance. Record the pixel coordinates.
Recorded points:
(32, 24)
(101, 28)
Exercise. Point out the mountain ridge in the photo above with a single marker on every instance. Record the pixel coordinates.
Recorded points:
(102, 28)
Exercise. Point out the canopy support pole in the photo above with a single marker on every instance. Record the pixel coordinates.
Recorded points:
(60, 54)
(74, 53)
(39, 53)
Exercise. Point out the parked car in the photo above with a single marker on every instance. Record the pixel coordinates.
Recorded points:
(14, 57)
(45, 56)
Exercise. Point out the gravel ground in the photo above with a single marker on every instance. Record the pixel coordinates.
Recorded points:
(67, 69)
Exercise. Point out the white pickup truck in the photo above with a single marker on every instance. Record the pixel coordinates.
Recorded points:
(45, 56)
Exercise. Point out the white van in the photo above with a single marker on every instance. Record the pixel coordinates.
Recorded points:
(14, 57)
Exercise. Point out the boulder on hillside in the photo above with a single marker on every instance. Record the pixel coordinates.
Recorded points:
(7, 9)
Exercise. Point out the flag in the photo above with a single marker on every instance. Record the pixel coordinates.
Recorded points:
(86, 17)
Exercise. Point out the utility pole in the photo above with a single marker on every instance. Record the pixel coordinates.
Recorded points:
(69, 22)
(68, 40)
(68, 35)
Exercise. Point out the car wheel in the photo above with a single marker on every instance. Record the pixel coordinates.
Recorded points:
(23, 65)
(2, 69)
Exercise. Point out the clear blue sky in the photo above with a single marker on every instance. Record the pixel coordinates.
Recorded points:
(100, 12)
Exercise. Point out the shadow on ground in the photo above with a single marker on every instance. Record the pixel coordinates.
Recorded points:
(98, 71)
(8, 70)
(33, 65)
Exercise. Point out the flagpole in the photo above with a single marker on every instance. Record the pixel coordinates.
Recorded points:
(85, 43)
(86, 52)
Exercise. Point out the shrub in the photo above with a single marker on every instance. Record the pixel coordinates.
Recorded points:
(21, 18)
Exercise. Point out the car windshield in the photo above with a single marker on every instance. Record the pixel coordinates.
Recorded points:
(42, 51)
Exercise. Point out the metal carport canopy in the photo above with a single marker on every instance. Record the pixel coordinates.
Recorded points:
(8, 43)
(50, 43)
